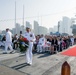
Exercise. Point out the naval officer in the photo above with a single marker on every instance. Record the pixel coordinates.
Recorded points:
(31, 38)
(8, 42)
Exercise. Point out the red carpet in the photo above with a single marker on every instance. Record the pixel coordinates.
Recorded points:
(70, 52)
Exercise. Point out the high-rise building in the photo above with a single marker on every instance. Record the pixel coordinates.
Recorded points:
(3, 32)
(51, 30)
(66, 24)
(22, 29)
(73, 20)
(55, 28)
(0, 31)
(13, 31)
(43, 30)
(60, 27)
(28, 24)
(73, 25)
(39, 29)
(18, 28)
(36, 28)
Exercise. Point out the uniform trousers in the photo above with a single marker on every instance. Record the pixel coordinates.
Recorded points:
(8, 45)
(40, 48)
(29, 54)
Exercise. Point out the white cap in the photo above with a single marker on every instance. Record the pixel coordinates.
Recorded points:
(28, 27)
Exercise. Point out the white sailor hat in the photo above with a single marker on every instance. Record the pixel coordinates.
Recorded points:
(28, 27)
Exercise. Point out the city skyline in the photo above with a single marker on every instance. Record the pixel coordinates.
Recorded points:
(44, 30)
(46, 12)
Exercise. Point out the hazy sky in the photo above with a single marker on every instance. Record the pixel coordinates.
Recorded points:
(46, 12)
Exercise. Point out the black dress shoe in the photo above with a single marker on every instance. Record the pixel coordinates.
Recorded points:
(11, 52)
(4, 52)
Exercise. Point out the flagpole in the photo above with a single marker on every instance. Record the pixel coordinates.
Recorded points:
(15, 17)
(23, 17)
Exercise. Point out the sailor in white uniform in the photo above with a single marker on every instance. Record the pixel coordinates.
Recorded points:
(31, 38)
(72, 40)
(8, 42)
(41, 44)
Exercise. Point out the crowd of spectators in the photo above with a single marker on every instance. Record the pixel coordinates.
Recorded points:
(50, 43)
(53, 43)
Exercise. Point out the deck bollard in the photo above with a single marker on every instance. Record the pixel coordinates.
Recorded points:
(65, 70)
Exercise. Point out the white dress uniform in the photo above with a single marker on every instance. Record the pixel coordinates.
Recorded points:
(30, 36)
(72, 40)
(8, 42)
(41, 44)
